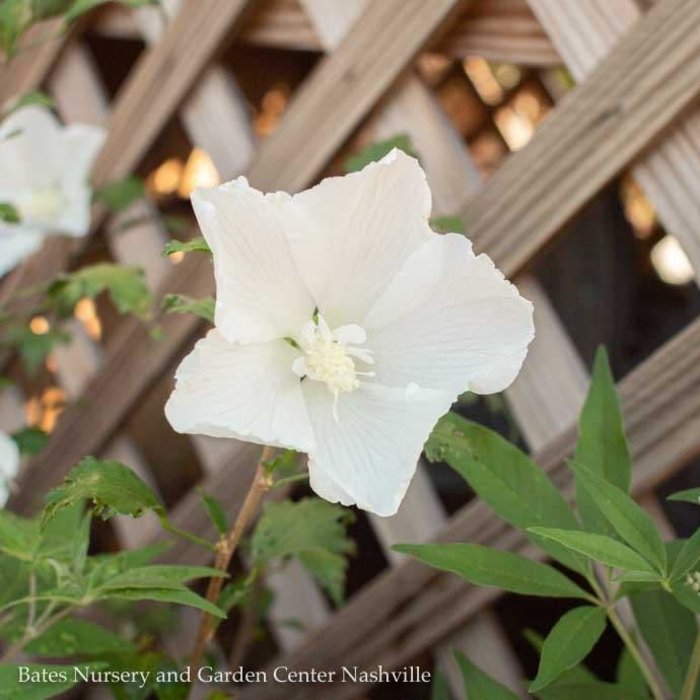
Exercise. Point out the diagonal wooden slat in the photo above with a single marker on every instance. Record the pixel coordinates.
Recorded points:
(584, 33)
(410, 608)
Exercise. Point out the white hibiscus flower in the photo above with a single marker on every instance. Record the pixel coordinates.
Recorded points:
(9, 465)
(345, 327)
(44, 170)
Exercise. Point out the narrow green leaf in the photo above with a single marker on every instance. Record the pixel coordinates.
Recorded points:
(377, 151)
(687, 557)
(75, 637)
(576, 674)
(216, 512)
(110, 486)
(448, 224)
(35, 98)
(594, 690)
(182, 304)
(120, 195)
(159, 576)
(35, 682)
(167, 595)
(569, 642)
(33, 347)
(480, 686)
(515, 487)
(689, 496)
(629, 675)
(30, 440)
(8, 213)
(495, 568)
(669, 630)
(19, 537)
(80, 7)
(194, 245)
(597, 547)
(438, 688)
(639, 576)
(630, 522)
(602, 445)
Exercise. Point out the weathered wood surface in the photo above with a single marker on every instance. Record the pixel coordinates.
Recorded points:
(408, 609)
(584, 32)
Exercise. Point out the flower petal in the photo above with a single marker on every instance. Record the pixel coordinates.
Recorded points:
(449, 321)
(248, 392)
(260, 295)
(369, 455)
(17, 243)
(355, 232)
(9, 465)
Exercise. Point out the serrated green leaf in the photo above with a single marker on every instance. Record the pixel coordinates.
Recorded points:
(495, 568)
(597, 547)
(630, 522)
(167, 595)
(30, 440)
(305, 529)
(602, 444)
(377, 151)
(688, 495)
(182, 304)
(49, 681)
(448, 224)
(75, 637)
(687, 557)
(109, 486)
(194, 245)
(669, 630)
(120, 195)
(9, 213)
(515, 487)
(126, 287)
(568, 643)
(479, 685)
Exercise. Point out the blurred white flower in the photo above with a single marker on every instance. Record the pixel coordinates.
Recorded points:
(44, 169)
(9, 465)
(345, 327)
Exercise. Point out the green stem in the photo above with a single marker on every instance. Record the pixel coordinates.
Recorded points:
(290, 480)
(617, 623)
(691, 677)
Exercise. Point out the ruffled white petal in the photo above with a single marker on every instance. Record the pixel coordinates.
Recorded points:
(16, 244)
(369, 455)
(449, 321)
(9, 465)
(248, 392)
(260, 296)
(353, 233)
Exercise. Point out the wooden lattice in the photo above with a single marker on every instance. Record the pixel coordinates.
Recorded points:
(638, 72)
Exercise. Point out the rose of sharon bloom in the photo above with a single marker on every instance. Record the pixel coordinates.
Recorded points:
(9, 464)
(345, 327)
(44, 170)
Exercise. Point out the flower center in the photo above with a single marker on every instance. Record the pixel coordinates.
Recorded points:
(42, 205)
(330, 356)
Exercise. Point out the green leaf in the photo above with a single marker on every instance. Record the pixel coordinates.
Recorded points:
(182, 304)
(19, 537)
(569, 642)
(34, 98)
(311, 529)
(111, 487)
(689, 496)
(687, 557)
(159, 576)
(75, 637)
(687, 592)
(629, 675)
(626, 517)
(515, 487)
(576, 674)
(448, 224)
(492, 567)
(8, 213)
(42, 681)
(120, 195)
(34, 348)
(80, 7)
(216, 512)
(167, 595)
(30, 440)
(593, 690)
(597, 547)
(480, 686)
(126, 287)
(669, 630)
(15, 18)
(194, 245)
(43, 9)
(377, 151)
(602, 445)
(438, 688)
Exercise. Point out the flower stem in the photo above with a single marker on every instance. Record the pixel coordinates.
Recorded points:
(226, 547)
(619, 626)
(691, 677)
